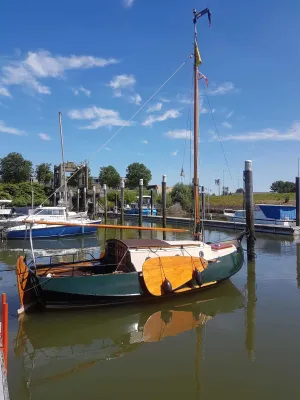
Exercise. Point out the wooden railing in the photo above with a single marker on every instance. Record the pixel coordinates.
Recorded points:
(4, 330)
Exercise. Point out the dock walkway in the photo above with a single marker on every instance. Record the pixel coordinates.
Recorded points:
(265, 228)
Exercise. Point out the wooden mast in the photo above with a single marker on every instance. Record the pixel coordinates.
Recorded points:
(196, 137)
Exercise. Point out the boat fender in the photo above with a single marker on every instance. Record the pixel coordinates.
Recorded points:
(49, 275)
(197, 276)
(166, 287)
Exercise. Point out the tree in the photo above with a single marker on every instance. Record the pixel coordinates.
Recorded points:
(183, 194)
(43, 173)
(135, 172)
(283, 187)
(240, 190)
(14, 168)
(110, 176)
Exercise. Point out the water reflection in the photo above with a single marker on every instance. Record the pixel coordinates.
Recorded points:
(250, 310)
(57, 348)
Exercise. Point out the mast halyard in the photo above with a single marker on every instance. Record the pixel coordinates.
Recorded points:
(196, 136)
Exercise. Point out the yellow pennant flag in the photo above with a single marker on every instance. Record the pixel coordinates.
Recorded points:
(198, 59)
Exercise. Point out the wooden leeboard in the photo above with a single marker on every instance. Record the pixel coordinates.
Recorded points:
(178, 270)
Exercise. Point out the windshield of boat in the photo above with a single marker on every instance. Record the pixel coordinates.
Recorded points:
(49, 211)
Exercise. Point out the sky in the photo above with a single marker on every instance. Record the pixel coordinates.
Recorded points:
(99, 62)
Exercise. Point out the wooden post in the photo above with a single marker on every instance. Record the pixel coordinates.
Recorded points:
(202, 203)
(249, 209)
(78, 197)
(122, 186)
(164, 203)
(105, 202)
(54, 199)
(151, 202)
(94, 202)
(297, 201)
(84, 199)
(141, 182)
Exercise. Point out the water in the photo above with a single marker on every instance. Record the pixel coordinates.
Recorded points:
(236, 341)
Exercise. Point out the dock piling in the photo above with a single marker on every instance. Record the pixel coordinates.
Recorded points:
(54, 199)
(122, 186)
(151, 202)
(297, 201)
(78, 197)
(105, 202)
(164, 203)
(141, 183)
(84, 199)
(94, 202)
(248, 177)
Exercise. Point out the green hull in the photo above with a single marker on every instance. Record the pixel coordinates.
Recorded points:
(123, 287)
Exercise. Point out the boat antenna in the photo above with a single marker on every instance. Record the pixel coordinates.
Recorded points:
(63, 161)
(197, 62)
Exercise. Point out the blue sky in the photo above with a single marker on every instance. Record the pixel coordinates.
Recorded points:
(99, 61)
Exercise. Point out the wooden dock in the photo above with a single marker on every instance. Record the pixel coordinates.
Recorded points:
(212, 223)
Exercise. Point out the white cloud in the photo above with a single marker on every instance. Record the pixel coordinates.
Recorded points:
(170, 114)
(155, 107)
(178, 134)
(128, 3)
(145, 141)
(4, 92)
(83, 90)
(44, 136)
(107, 148)
(164, 100)
(226, 124)
(230, 114)
(41, 65)
(292, 134)
(174, 153)
(182, 98)
(11, 131)
(99, 116)
(135, 99)
(224, 88)
(120, 82)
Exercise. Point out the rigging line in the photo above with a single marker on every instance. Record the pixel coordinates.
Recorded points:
(125, 124)
(219, 137)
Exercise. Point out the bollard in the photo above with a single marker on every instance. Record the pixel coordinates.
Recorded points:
(249, 209)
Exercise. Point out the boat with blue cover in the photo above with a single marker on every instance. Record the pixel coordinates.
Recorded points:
(146, 207)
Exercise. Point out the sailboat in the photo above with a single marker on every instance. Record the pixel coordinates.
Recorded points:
(135, 270)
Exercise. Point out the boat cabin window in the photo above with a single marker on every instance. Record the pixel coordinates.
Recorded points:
(48, 212)
(240, 214)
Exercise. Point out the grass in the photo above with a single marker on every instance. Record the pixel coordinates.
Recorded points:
(236, 200)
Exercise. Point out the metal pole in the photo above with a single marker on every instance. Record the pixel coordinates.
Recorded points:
(78, 197)
(94, 202)
(249, 209)
(105, 202)
(122, 186)
(151, 202)
(63, 161)
(298, 201)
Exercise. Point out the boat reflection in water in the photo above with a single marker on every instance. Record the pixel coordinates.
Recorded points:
(57, 349)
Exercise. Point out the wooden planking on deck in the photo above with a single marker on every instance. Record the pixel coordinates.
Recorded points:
(263, 228)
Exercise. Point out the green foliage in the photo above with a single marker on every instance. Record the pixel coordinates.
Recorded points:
(135, 172)
(183, 194)
(15, 169)
(283, 187)
(158, 200)
(109, 176)
(43, 173)
(20, 193)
